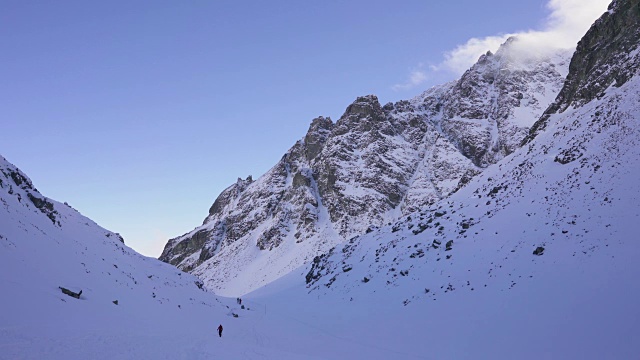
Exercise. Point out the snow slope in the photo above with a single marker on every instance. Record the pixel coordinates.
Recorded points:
(161, 311)
(492, 299)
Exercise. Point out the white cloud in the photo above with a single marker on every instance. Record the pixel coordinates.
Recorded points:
(417, 77)
(463, 56)
(566, 24)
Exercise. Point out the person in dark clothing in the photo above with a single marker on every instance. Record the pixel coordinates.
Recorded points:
(220, 330)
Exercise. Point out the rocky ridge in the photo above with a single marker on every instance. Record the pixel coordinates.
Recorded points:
(606, 56)
(374, 165)
(567, 199)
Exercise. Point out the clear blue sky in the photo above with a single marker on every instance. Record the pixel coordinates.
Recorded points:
(139, 113)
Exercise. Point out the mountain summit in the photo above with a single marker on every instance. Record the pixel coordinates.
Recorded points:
(374, 165)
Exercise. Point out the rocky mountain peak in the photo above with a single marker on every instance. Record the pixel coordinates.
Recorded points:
(364, 105)
(503, 55)
(229, 194)
(507, 50)
(366, 170)
(242, 184)
(491, 108)
(317, 135)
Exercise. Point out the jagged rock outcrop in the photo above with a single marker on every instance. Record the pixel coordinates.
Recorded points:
(373, 165)
(14, 177)
(606, 56)
(492, 107)
(366, 166)
(570, 194)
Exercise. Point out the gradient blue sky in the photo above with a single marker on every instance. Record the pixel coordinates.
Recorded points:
(139, 113)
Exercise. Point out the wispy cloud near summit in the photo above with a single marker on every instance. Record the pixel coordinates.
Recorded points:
(566, 23)
(417, 77)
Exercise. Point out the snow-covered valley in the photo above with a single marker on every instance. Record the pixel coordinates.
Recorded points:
(534, 257)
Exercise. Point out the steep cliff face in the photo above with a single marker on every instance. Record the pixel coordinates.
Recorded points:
(555, 222)
(607, 56)
(372, 166)
(365, 168)
(492, 107)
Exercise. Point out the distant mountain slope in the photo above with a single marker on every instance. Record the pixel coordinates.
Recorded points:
(374, 165)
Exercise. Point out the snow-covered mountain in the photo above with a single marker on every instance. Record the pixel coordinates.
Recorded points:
(371, 167)
(536, 257)
(569, 197)
(129, 307)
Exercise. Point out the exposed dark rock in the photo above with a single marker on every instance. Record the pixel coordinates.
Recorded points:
(70, 293)
(44, 205)
(175, 253)
(449, 245)
(19, 179)
(316, 137)
(604, 57)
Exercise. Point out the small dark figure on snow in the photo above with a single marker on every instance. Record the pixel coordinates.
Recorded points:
(239, 301)
(70, 293)
(220, 330)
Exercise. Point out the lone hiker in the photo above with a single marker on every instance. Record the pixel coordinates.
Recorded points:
(220, 330)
